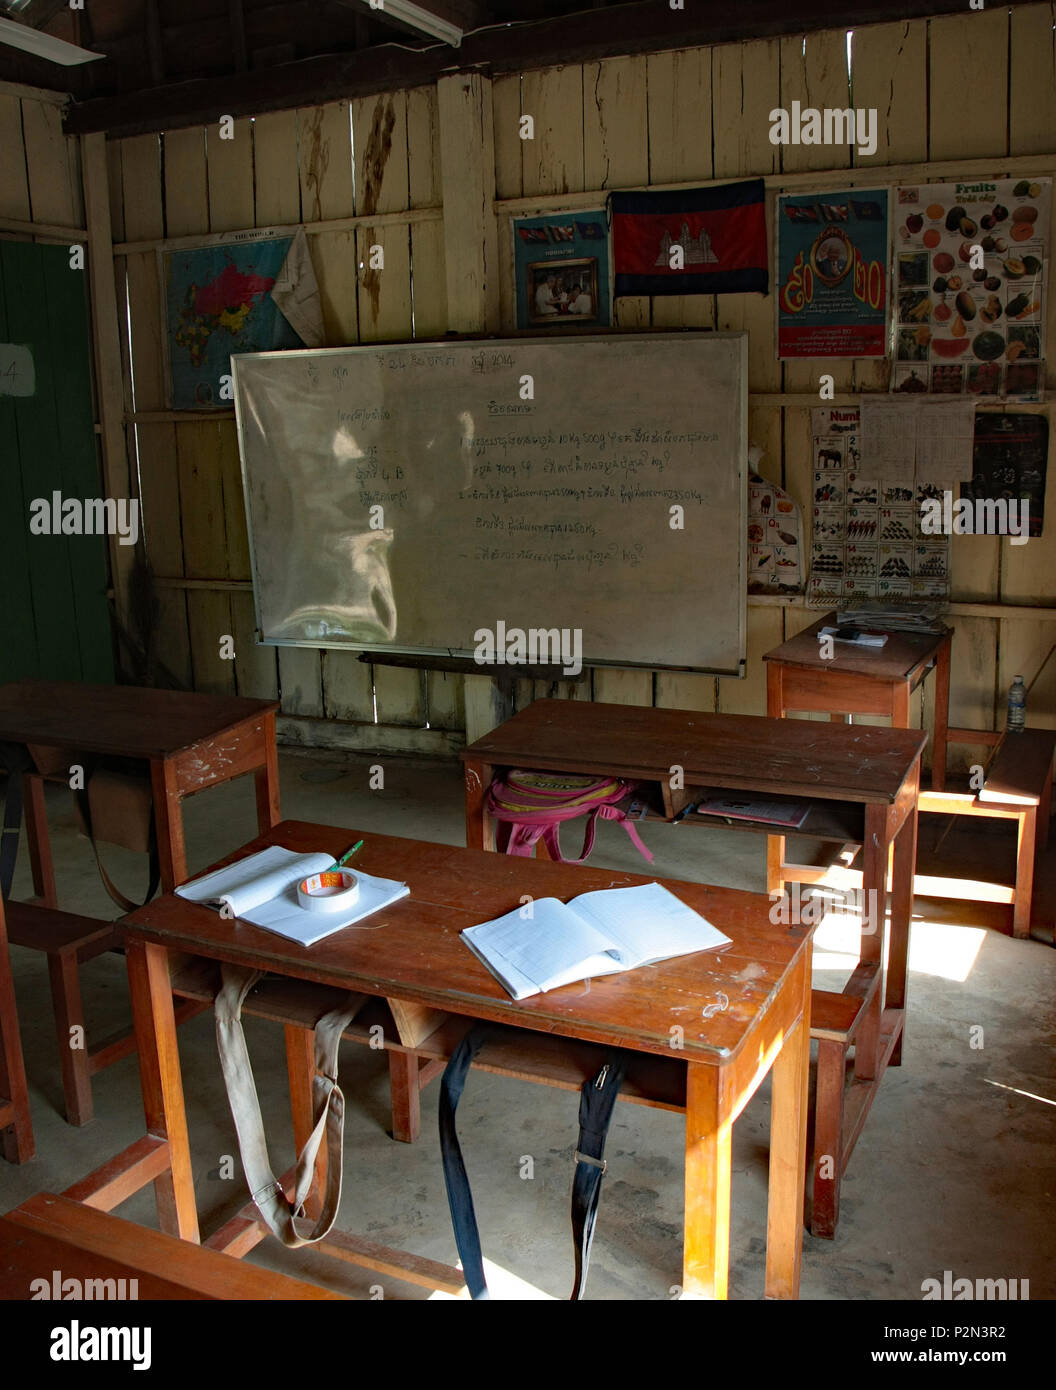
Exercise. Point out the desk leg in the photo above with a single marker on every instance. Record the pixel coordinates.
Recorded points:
(480, 828)
(159, 1076)
(942, 715)
(300, 1067)
(168, 819)
(406, 1097)
(1026, 826)
(903, 868)
(788, 1154)
(16, 1136)
(38, 841)
(706, 1238)
(267, 780)
(775, 859)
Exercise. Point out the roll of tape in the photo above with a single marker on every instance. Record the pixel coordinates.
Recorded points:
(332, 891)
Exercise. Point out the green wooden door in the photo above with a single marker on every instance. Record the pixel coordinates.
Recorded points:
(54, 613)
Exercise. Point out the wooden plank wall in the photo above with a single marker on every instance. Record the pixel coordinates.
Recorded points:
(981, 85)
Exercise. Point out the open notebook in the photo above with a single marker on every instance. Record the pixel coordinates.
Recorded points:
(595, 934)
(262, 889)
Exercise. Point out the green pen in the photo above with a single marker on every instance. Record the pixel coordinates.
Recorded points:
(345, 857)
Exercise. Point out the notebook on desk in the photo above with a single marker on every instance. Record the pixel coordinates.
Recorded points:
(547, 943)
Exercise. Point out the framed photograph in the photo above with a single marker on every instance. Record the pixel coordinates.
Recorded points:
(556, 290)
(561, 271)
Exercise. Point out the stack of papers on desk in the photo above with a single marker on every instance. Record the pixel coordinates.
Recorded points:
(893, 617)
(262, 889)
(599, 933)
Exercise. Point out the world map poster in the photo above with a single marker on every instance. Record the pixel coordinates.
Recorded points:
(219, 301)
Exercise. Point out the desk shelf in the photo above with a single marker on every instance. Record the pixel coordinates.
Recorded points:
(841, 821)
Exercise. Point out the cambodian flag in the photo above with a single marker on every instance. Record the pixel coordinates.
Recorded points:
(691, 241)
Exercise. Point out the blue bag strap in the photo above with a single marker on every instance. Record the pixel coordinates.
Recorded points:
(459, 1196)
(596, 1103)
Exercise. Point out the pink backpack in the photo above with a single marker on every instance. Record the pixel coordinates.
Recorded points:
(530, 806)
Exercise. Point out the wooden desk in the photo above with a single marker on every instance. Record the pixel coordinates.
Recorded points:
(861, 680)
(191, 741)
(863, 785)
(415, 957)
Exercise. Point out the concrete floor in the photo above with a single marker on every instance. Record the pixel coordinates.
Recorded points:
(954, 1169)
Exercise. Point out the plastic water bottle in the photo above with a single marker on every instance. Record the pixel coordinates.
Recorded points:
(1017, 706)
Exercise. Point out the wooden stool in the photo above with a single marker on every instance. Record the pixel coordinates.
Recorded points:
(69, 941)
(16, 1131)
(50, 1234)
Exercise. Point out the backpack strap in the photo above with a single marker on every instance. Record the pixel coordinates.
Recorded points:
(597, 1099)
(81, 797)
(328, 1111)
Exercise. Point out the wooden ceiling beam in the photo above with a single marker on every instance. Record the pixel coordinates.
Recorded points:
(585, 36)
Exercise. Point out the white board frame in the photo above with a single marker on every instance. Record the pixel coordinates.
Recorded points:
(520, 341)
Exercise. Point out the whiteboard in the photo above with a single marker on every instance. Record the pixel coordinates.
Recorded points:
(410, 498)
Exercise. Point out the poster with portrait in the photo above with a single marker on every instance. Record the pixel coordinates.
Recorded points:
(968, 287)
(561, 268)
(832, 255)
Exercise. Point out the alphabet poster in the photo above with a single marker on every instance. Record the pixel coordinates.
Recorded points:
(969, 289)
(867, 541)
(831, 264)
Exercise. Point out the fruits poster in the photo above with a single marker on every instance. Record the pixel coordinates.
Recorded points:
(867, 542)
(968, 284)
(831, 262)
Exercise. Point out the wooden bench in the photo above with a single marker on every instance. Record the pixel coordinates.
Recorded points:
(52, 1234)
(69, 941)
(1018, 787)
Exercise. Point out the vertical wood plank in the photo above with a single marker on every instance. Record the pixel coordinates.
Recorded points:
(506, 117)
(205, 552)
(198, 443)
(52, 164)
(276, 179)
(889, 75)
(746, 87)
(814, 73)
(230, 178)
(256, 667)
(626, 687)
(107, 346)
(552, 162)
(379, 140)
(348, 687)
(968, 53)
(155, 443)
(1032, 116)
(325, 154)
(470, 241)
(680, 96)
(14, 187)
(423, 149)
(615, 123)
(186, 183)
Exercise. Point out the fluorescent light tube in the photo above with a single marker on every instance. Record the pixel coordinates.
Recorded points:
(418, 18)
(43, 45)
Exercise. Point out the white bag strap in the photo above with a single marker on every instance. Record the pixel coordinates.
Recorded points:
(328, 1111)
